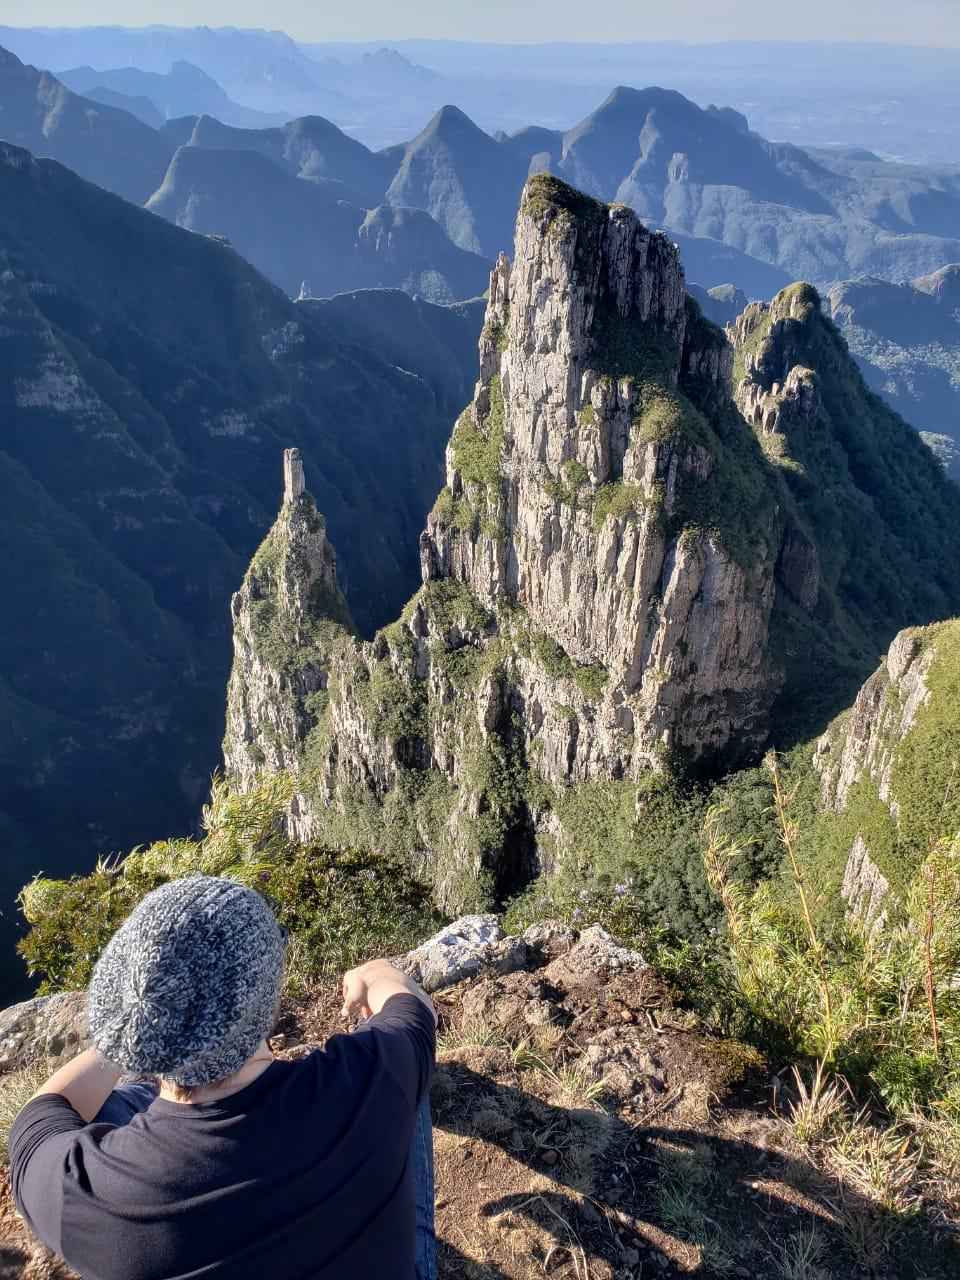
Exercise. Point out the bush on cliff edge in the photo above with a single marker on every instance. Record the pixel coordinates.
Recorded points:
(339, 906)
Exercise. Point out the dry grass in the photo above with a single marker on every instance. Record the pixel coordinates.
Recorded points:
(572, 1084)
(685, 1192)
(15, 1090)
(800, 1256)
(890, 1178)
(820, 1107)
(470, 1033)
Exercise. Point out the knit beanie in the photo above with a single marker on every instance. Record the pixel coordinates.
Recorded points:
(188, 985)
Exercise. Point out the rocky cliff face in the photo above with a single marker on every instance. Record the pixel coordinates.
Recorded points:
(868, 515)
(595, 600)
(866, 739)
(888, 766)
(616, 574)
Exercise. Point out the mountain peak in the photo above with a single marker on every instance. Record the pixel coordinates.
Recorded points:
(451, 119)
(609, 567)
(544, 193)
(943, 284)
(625, 96)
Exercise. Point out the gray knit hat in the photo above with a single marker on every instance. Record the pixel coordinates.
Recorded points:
(188, 985)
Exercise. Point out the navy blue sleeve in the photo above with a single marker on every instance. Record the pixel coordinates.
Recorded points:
(41, 1140)
(405, 1035)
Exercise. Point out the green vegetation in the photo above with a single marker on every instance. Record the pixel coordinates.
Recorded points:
(885, 522)
(291, 644)
(545, 193)
(477, 446)
(340, 906)
(453, 604)
(566, 488)
(590, 678)
(498, 332)
(727, 492)
(395, 704)
(456, 513)
(132, 505)
(879, 1006)
(720, 891)
(745, 352)
(619, 501)
(630, 856)
(924, 785)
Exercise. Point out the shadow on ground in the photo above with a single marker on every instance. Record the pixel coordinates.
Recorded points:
(529, 1187)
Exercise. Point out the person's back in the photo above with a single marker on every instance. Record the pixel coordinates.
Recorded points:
(316, 1168)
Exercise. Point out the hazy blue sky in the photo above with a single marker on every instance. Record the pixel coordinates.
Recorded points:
(935, 22)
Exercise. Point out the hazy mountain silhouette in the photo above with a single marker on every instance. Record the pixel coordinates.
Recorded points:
(298, 231)
(702, 174)
(145, 110)
(906, 338)
(183, 90)
(721, 304)
(310, 147)
(100, 142)
(264, 70)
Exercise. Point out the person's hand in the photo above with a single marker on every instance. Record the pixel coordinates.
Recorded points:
(356, 1003)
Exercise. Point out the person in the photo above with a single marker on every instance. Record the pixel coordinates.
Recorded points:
(236, 1165)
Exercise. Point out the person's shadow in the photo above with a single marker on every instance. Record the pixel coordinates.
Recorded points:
(660, 1202)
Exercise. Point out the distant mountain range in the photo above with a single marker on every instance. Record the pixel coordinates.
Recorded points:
(745, 211)
(317, 211)
(149, 380)
(307, 232)
(906, 338)
(896, 100)
(182, 91)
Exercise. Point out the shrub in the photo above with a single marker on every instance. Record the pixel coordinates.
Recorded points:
(339, 906)
(880, 1006)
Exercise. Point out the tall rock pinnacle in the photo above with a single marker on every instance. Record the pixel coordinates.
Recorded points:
(598, 579)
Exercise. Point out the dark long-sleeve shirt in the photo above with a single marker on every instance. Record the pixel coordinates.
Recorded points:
(303, 1174)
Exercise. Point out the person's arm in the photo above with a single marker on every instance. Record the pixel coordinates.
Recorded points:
(85, 1082)
(368, 988)
(401, 1023)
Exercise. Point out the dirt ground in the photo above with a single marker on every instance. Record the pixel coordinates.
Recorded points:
(586, 1129)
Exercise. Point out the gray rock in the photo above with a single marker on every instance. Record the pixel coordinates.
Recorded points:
(865, 887)
(49, 1027)
(550, 938)
(459, 951)
(595, 957)
(865, 741)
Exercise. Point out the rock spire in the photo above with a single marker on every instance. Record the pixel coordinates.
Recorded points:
(597, 579)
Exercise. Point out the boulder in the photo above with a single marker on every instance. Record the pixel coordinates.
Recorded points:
(462, 950)
(48, 1027)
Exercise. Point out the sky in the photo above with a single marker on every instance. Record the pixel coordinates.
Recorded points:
(928, 22)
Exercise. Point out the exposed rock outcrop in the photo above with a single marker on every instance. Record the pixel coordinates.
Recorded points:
(888, 769)
(868, 736)
(48, 1028)
(597, 593)
(864, 887)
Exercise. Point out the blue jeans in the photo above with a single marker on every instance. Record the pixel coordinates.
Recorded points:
(129, 1099)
